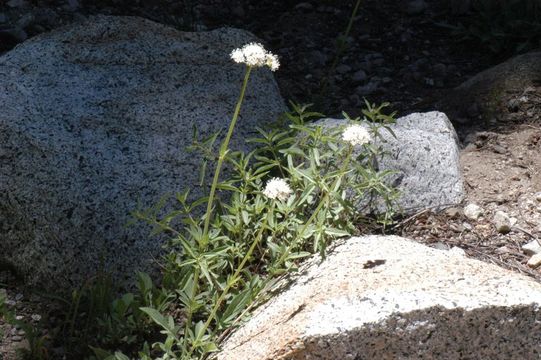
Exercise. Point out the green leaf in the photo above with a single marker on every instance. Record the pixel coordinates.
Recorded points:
(121, 356)
(159, 319)
(336, 232)
(235, 307)
(101, 354)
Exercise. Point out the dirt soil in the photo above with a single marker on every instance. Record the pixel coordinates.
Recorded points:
(393, 54)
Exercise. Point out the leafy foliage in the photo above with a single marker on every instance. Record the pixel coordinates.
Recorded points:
(252, 239)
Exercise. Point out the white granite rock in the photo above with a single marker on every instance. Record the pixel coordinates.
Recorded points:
(379, 297)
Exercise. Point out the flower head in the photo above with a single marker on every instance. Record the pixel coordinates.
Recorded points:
(356, 135)
(254, 54)
(277, 189)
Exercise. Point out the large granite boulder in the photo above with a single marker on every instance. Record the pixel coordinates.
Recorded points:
(506, 93)
(95, 118)
(425, 158)
(380, 297)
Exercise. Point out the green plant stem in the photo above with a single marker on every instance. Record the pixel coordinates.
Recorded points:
(341, 47)
(235, 276)
(221, 158)
(323, 201)
(204, 239)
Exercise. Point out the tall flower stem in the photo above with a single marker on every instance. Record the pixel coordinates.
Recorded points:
(341, 46)
(208, 214)
(223, 151)
(235, 277)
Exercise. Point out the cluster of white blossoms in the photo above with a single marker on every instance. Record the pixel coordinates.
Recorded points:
(277, 189)
(356, 135)
(254, 54)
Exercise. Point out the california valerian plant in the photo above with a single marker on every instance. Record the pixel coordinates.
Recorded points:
(290, 197)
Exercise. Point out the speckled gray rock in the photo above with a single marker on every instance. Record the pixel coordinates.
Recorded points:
(381, 297)
(96, 116)
(426, 158)
(488, 93)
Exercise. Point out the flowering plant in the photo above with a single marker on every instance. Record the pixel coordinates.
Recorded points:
(297, 191)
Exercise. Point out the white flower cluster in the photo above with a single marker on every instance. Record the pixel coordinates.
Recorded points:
(254, 54)
(356, 135)
(277, 189)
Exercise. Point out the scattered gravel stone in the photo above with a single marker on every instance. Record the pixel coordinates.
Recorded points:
(73, 5)
(439, 69)
(499, 149)
(502, 250)
(416, 7)
(452, 212)
(513, 105)
(538, 196)
(502, 222)
(305, 6)
(535, 261)
(532, 248)
(359, 76)
(16, 3)
(25, 20)
(343, 69)
(467, 226)
(367, 89)
(473, 211)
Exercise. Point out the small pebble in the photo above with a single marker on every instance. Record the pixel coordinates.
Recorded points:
(16, 3)
(452, 212)
(343, 69)
(359, 76)
(473, 211)
(534, 261)
(502, 222)
(532, 248)
(502, 250)
(416, 7)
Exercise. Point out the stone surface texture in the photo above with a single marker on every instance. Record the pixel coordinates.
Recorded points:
(379, 297)
(473, 211)
(487, 94)
(96, 117)
(425, 156)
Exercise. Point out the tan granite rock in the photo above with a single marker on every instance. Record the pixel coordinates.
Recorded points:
(386, 297)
